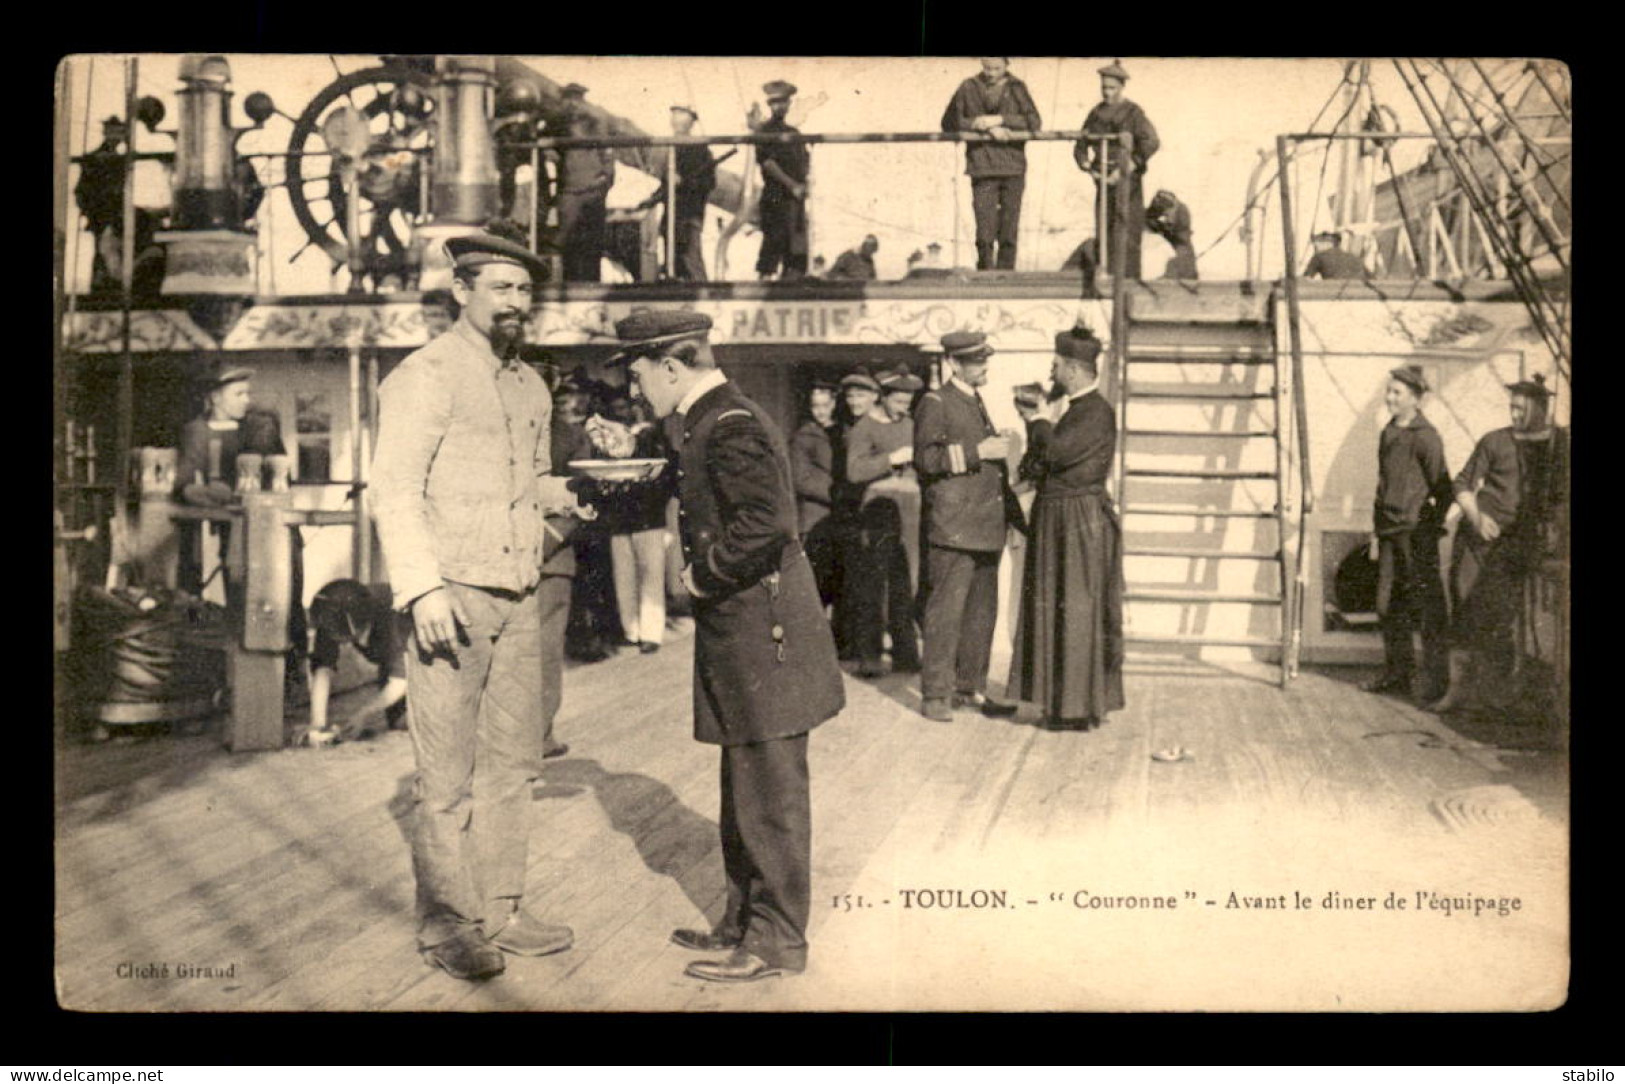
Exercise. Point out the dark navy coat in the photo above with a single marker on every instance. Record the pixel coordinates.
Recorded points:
(968, 502)
(737, 512)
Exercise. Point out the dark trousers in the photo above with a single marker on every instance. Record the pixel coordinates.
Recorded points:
(822, 547)
(581, 234)
(881, 599)
(766, 827)
(1133, 225)
(784, 237)
(961, 608)
(1410, 598)
(553, 596)
(996, 202)
(690, 260)
(1486, 591)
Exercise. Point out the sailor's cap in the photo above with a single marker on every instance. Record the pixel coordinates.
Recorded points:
(477, 249)
(655, 326)
(966, 344)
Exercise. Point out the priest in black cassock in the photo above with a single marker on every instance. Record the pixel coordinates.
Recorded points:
(1116, 114)
(1069, 639)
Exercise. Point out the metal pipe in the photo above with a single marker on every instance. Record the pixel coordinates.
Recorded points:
(535, 197)
(352, 224)
(1120, 282)
(615, 141)
(1103, 252)
(671, 212)
(360, 543)
(124, 432)
(1289, 575)
(1303, 136)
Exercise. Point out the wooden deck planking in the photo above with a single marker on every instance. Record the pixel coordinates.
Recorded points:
(301, 872)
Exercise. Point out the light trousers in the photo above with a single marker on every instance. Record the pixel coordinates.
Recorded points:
(639, 560)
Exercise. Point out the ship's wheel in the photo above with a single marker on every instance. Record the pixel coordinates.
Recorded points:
(398, 108)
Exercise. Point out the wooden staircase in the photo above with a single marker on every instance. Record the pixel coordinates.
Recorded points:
(1202, 486)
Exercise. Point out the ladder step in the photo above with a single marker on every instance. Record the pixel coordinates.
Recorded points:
(1197, 554)
(1201, 596)
(1196, 639)
(1198, 433)
(1138, 472)
(1196, 513)
(1195, 396)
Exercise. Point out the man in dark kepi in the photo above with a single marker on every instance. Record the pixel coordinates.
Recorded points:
(1069, 638)
(1330, 261)
(1413, 495)
(1116, 114)
(997, 104)
(462, 484)
(968, 508)
(785, 168)
(1513, 494)
(765, 672)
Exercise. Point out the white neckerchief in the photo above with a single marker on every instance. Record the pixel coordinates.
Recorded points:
(712, 379)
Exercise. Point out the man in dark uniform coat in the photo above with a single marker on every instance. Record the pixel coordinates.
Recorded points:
(1330, 261)
(1116, 114)
(785, 167)
(1069, 640)
(765, 672)
(968, 505)
(1513, 495)
(586, 174)
(1413, 495)
(996, 103)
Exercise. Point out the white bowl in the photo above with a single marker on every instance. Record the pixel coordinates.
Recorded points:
(619, 470)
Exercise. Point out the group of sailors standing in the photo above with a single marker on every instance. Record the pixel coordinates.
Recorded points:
(907, 505)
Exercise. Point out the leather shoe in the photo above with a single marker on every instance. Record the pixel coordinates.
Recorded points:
(703, 940)
(742, 966)
(871, 668)
(984, 704)
(555, 749)
(1086, 722)
(1387, 683)
(648, 648)
(935, 707)
(523, 935)
(466, 956)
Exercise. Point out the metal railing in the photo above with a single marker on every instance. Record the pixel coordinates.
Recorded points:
(753, 139)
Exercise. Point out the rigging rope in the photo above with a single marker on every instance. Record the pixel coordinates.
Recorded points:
(1264, 189)
(1530, 293)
